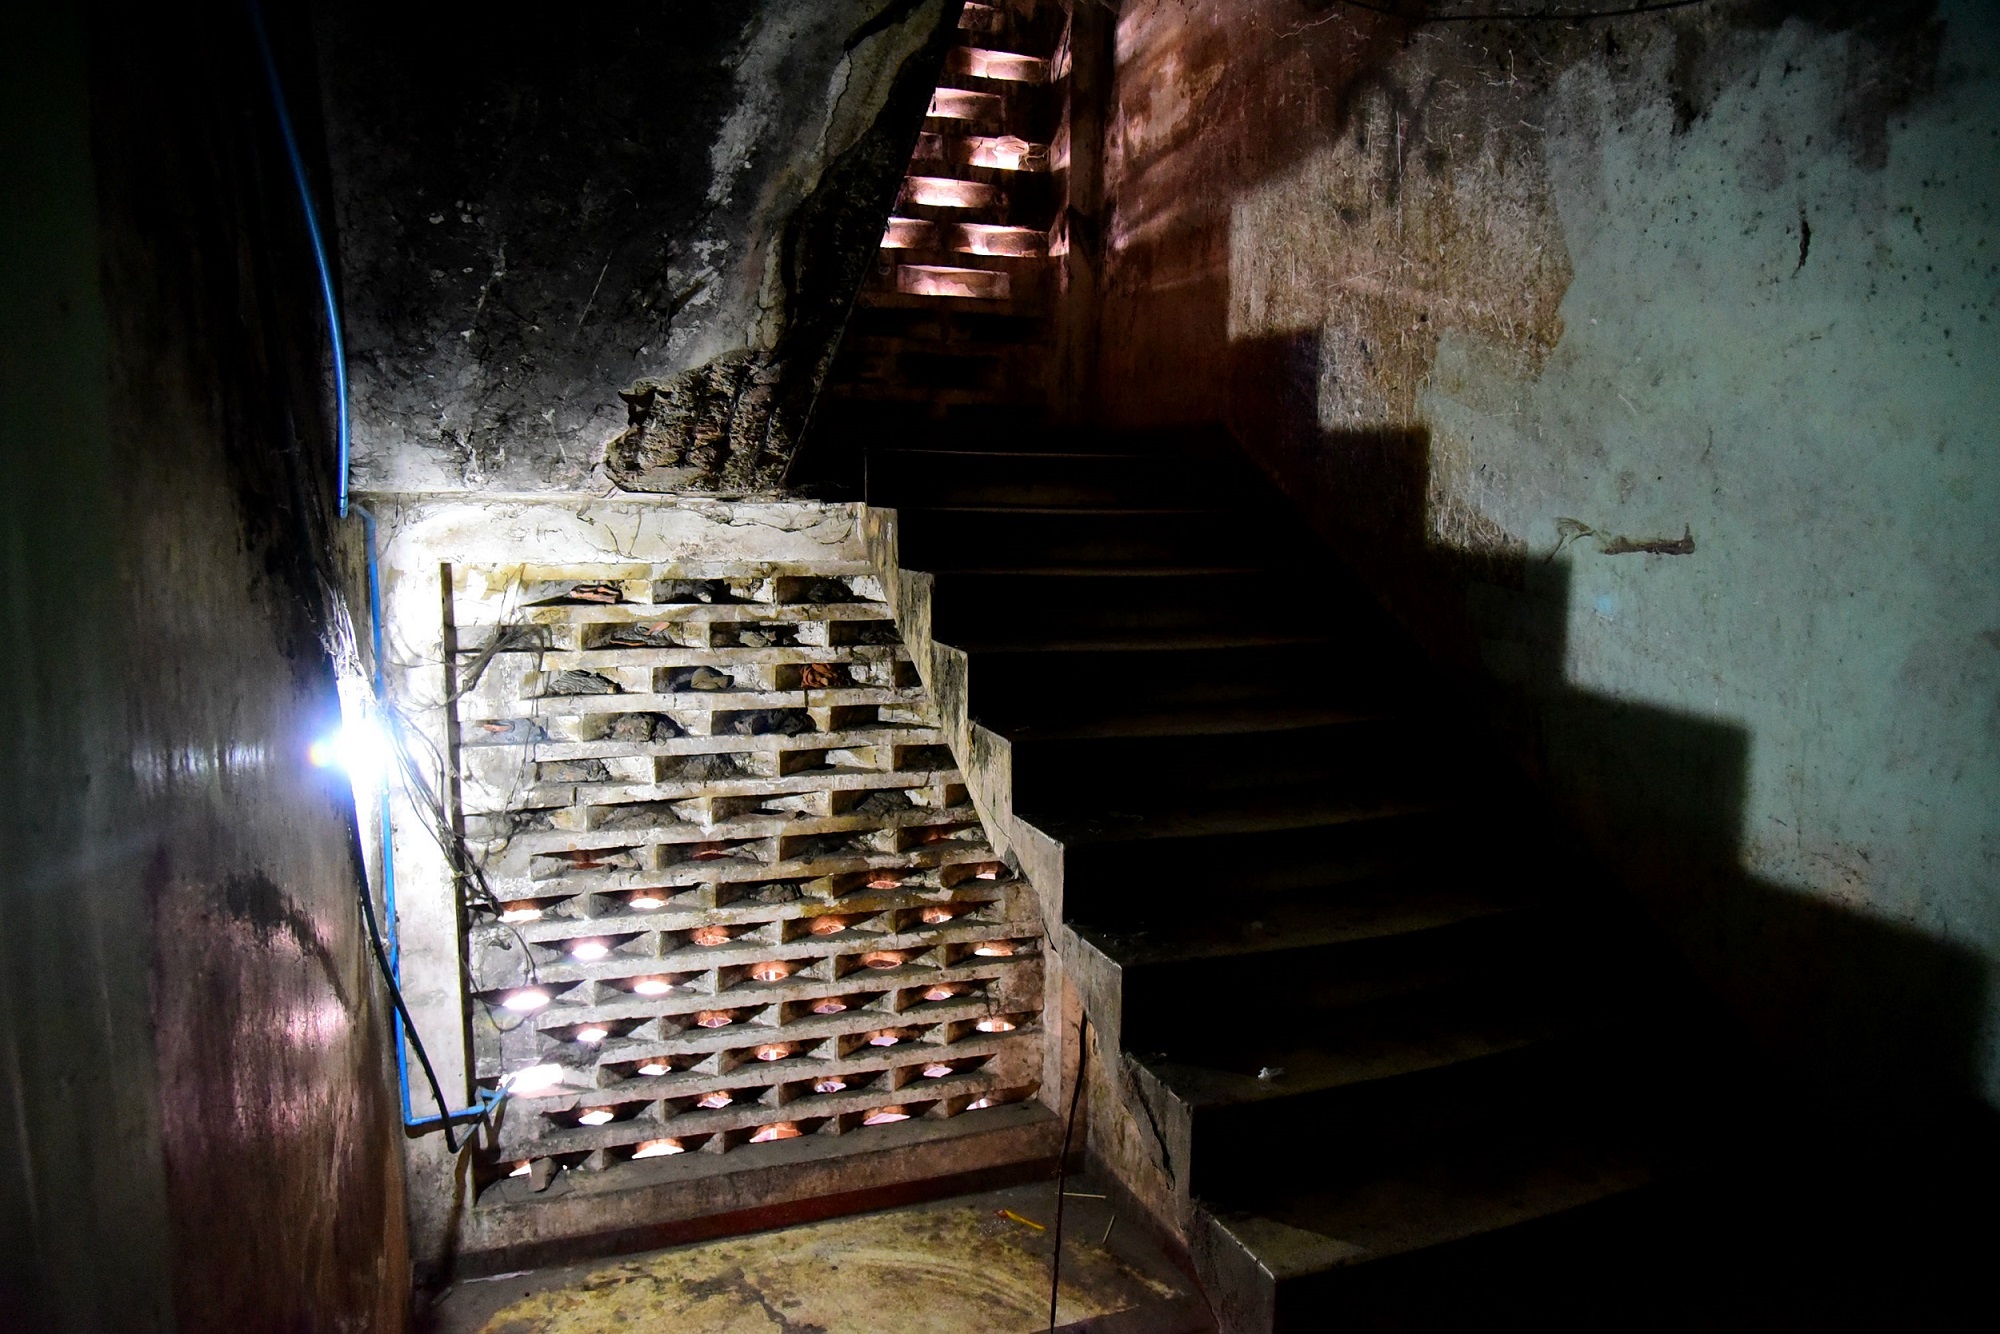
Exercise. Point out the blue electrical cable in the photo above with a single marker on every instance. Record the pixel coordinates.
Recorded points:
(333, 329)
(389, 957)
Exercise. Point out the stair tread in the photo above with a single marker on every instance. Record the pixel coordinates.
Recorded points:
(1077, 511)
(1109, 570)
(1247, 812)
(1387, 907)
(1072, 455)
(1191, 722)
(1453, 1195)
(1431, 1035)
(1162, 641)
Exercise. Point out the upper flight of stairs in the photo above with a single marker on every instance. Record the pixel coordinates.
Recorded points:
(954, 324)
(1374, 1015)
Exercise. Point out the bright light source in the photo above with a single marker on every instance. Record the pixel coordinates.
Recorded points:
(938, 1071)
(714, 1019)
(645, 902)
(657, 1148)
(885, 1116)
(655, 1068)
(525, 1002)
(940, 993)
(778, 1130)
(994, 949)
(597, 1116)
(829, 1085)
(977, 1103)
(588, 951)
(775, 970)
(774, 1051)
(652, 986)
(829, 1005)
(995, 1025)
(358, 748)
(522, 1168)
(534, 1079)
(592, 1033)
(513, 915)
(884, 1040)
(719, 1098)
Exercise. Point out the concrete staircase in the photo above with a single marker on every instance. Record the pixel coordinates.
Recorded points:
(1391, 1047)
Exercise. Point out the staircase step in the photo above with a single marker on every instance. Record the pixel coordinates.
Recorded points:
(1320, 1259)
(1115, 867)
(994, 478)
(1023, 687)
(1357, 753)
(1369, 910)
(1246, 1004)
(1065, 606)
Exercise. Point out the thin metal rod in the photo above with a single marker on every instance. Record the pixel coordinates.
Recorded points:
(1062, 1166)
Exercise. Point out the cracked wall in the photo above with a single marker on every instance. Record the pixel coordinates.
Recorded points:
(671, 205)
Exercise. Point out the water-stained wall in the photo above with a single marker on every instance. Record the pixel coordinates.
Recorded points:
(1645, 366)
(609, 247)
(197, 1121)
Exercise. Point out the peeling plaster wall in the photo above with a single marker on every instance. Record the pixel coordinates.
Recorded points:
(197, 1129)
(537, 218)
(1646, 368)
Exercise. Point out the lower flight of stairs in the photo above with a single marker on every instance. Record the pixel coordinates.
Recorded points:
(1382, 1032)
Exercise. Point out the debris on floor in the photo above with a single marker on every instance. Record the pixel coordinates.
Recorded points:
(952, 1267)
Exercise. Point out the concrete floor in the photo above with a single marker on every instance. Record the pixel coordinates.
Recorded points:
(943, 1268)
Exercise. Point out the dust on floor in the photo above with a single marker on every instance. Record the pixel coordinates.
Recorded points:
(946, 1268)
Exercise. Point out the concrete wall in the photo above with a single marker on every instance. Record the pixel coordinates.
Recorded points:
(537, 218)
(196, 1127)
(1646, 368)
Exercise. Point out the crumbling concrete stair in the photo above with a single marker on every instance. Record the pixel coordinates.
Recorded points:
(1361, 1012)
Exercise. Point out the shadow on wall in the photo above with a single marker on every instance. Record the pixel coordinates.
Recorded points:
(1888, 1016)
(1419, 203)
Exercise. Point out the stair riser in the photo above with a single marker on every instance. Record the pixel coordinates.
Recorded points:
(924, 480)
(1373, 757)
(1130, 882)
(1204, 1006)
(1010, 687)
(957, 619)
(946, 539)
(1248, 1153)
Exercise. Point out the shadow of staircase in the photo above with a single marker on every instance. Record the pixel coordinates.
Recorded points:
(1359, 992)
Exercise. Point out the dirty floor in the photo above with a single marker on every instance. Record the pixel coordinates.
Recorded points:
(950, 1267)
